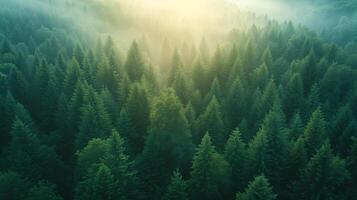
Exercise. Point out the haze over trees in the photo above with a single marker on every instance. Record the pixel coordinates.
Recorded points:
(101, 104)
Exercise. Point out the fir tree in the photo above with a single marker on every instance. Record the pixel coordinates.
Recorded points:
(258, 189)
(177, 189)
(209, 173)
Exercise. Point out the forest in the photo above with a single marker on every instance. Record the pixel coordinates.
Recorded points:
(178, 100)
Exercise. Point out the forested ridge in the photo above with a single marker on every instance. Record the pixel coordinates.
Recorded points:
(270, 113)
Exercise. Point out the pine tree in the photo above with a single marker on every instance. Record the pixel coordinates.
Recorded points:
(215, 91)
(127, 185)
(294, 95)
(168, 146)
(182, 86)
(324, 177)
(91, 155)
(17, 84)
(138, 111)
(346, 138)
(297, 158)
(258, 189)
(249, 57)
(267, 58)
(314, 134)
(209, 173)
(176, 67)
(308, 70)
(236, 103)
(177, 189)
(199, 77)
(276, 148)
(296, 128)
(99, 184)
(191, 119)
(237, 156)
(123, 90)
(257, 149)
(91, 126)
(339, 124)
(261, 75)
(212, 121)
(13, 186)
(73, 74)
(43, 191)
(134, 65)
(27, 155)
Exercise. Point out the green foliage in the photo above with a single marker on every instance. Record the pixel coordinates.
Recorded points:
(258, 189)
(134, 65)
(209, 172)
(13, 186)
(169, 144)
(43, 191)
(324, 176)
(235, 152)
(78, 116)
(177, 190)
(314, 134)
(212, 121)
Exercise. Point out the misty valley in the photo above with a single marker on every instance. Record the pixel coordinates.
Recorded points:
(178, 100)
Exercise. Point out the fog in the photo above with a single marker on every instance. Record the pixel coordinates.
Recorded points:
(184, 21)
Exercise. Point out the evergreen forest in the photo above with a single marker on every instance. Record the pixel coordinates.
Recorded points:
(178, 100)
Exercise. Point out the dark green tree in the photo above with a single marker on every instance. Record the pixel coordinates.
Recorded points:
(212, 121)
(324, 177)
(314, 134)
(209, 173)
(138, 111)
(134, 65)
(177, 189)
(258, 189)
(168, 146)
(236, 154)
(13, 186)
(43, 191)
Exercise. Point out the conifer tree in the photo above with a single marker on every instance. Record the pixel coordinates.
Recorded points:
(237, 156)
(294, 95)
(211, 120)
(276, 148)
(177, 189)
(323, 177)
(296, 128)
(236, 103)
(258, 189)
(297, 158)
(134, 65)
(43, 191)
(13, 186)
(314, 133)
(73, 74)
(99, 184)
(176, 67)
(138, 111)
(209, 172)
(168, 146)
(267, 58)
(127, 184)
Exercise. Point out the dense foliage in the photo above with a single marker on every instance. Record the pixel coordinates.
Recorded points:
(270, 114)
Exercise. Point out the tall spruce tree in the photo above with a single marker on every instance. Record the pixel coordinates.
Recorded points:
(168, 146)
(177, 189)
(209, 172)
(258, 189)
